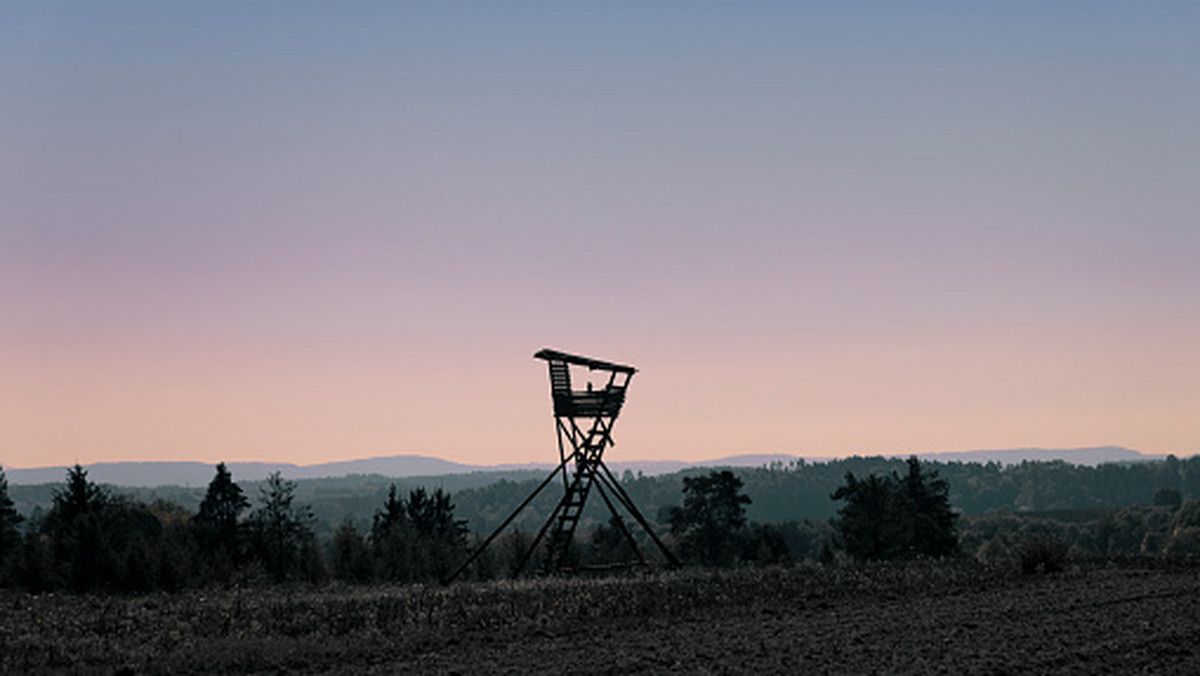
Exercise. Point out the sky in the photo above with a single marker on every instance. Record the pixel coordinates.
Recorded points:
(310, 232)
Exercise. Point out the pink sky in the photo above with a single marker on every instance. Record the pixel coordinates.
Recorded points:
(233, 233)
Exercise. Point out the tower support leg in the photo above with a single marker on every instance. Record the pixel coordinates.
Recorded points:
(474, 555)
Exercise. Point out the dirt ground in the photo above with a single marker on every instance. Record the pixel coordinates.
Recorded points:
(1114, 619)
(1116, 622)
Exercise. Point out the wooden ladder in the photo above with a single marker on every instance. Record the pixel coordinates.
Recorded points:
(575, 497)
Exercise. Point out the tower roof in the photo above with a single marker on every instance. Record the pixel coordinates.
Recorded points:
(593, 364)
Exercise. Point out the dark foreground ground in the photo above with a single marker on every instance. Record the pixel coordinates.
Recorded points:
(920, 618)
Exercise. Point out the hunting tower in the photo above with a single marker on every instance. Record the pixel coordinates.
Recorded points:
(583, 420)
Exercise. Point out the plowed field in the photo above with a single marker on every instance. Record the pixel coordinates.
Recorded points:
(925, 618)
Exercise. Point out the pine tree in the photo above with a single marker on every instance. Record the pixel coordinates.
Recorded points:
(393, 540)
(216, 523)
(890, 517)
(77, 526)
(280, 529)
(711, 524)
(928, 500)
(869, 524)
(10, 537)
(78, 497)
(418, 538)
(394, 513)
(432, 515)
(351, 557)
(442, 539)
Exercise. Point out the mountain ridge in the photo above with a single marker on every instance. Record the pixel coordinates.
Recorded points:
(198, 474)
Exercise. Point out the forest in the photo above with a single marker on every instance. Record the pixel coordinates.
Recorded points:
(1035, 515)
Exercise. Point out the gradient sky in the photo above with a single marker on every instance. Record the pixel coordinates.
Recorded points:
(310, 232)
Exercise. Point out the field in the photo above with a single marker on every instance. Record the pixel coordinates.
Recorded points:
(918, 618)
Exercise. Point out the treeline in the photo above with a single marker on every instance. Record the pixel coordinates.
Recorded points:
(800, 491)
(1048, 540)
(1034, 515)
(794, 492)
(92, 539)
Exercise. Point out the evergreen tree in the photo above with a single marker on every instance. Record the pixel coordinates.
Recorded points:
(175, 554)
(432, 515)
(867, 523)
(280, 530)
(712, 521)
(394, 513)
(10, 537)
(393, 539)
(889, 517)
(216, 523)
(78, 497)
(36, 569)
(76, 525)
(418, 538)
(927, 498)
(350, 555)
(442, 539)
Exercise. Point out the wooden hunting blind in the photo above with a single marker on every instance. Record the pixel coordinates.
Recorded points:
(583, 420)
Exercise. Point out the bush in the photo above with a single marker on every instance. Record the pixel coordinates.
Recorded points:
(1041, 554)
(1184, 542)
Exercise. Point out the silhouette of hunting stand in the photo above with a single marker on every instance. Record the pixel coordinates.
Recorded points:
(584, 420)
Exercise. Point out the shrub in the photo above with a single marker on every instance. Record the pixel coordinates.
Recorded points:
(1184, 542)
(1041, 554)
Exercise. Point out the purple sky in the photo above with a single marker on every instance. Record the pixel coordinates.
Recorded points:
(309, 232)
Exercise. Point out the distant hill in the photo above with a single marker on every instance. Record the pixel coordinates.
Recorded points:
(1076, 456)
(657, 467)
(198, 474)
